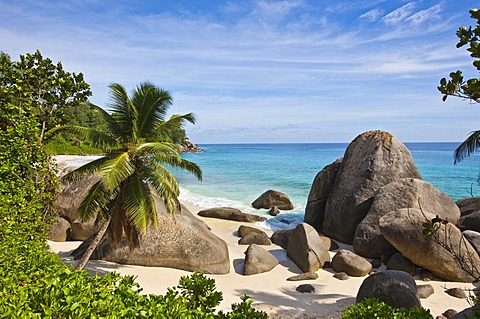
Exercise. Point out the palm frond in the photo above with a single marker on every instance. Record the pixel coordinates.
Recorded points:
(139, 204)
(468, 147)
(95, 202)
(159, 174)
(116, 170)
(152, 104)
(85, 170)
(157, 148)
(163, 129)
(166, 187)
(181, 163)
(124, 113)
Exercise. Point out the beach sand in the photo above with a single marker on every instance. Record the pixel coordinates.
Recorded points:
(270, 291)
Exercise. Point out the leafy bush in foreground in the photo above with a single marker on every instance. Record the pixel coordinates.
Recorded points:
(373, 308)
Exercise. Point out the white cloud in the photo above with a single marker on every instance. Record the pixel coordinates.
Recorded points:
(432, 13)
(400, 14)
(372, 15)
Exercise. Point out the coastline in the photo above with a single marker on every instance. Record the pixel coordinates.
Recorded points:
(270, 291)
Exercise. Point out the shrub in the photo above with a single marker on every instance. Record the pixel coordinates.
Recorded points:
(373, 308)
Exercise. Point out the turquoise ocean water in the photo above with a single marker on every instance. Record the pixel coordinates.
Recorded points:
(236, 174)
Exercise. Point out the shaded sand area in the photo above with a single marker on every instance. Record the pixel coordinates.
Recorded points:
(270, 291)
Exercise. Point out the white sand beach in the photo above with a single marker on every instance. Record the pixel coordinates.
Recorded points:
(270, 291)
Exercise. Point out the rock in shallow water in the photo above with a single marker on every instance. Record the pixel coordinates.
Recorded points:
(229, 213)
(273, 198)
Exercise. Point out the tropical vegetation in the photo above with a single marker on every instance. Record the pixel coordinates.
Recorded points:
(135, 166)
(468, 89)
(35, 283)
(373, 308)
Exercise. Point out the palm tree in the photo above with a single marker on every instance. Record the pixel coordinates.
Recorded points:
(135, 166)
(467, 147)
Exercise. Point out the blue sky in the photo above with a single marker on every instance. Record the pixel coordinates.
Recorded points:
(265, 71)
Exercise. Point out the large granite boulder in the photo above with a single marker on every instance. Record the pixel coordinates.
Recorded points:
(181, 241)
(230, 214)
(470, 221)
(317, 198)
(468, 205)
(351, 263)
(372, 160)
(273, 198)
(83, 231)
(395, 288)
(307, 250)
(447, 254)
(474, 238)
(60, 229)
(258, 260)
(402, 193)
(72, 194)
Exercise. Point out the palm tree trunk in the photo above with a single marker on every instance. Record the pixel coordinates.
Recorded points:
(86, 255)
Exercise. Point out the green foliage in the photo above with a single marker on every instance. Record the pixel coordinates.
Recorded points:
(457, 85)
(60, 145)
(372, 308)
(84, 115)
(46, 87)
(199, 292)
(243, 310)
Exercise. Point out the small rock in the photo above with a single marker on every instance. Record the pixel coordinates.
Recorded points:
(395, 288)
(425, 291)
(258, 260)
(441, 317)
(306, 288)
(255, 238)
(426, 275)
(449, 313)
(281, 237)
(243, 230)
(376, 263)
(457, 293)
(351, 263)
(465, 313)
(274, 211)
(398, 262)
(386, 257)
(476, 291)
(333, 245)
(341, 276)
(304, 276)
(273, 198)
